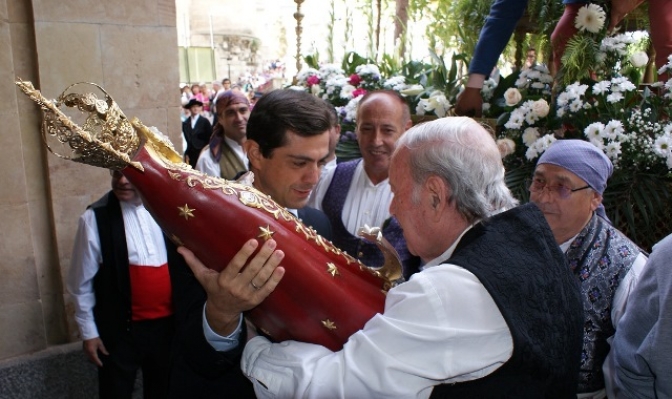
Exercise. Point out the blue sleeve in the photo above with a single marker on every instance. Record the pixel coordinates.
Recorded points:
(496, 33)
(643, 340)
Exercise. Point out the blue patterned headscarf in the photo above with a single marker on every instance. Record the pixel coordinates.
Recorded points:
(581, 158)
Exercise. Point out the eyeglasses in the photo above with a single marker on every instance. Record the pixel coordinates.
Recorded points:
(563, 192)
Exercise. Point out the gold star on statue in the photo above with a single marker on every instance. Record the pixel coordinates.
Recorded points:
(185, 212)
(331, 269)
(329, 324)
(266, 232)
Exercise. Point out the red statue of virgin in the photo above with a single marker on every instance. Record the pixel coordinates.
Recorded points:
(325, 295)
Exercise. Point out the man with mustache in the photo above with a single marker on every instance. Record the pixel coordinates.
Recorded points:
(357, 193)
(567, 185)
(225, 156)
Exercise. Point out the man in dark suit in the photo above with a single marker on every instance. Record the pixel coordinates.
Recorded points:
(197, 131)
(287, 145)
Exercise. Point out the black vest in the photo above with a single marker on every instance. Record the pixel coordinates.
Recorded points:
(112, 283)
(516, 258)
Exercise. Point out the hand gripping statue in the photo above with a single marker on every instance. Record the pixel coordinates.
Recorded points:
(194, 209)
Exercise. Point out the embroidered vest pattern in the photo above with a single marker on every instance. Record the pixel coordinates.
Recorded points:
(368, 253)
(599, 257)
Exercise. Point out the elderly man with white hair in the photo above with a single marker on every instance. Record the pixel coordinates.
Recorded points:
(494, 312)
(568, 183)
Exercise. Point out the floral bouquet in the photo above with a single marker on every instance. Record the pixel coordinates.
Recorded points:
(632, 127)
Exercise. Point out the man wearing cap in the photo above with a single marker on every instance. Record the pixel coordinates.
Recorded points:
(224, 156)
(197, 131)
(567, 185)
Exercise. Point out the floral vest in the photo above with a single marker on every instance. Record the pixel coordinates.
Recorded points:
(599, 257)
(368, 253)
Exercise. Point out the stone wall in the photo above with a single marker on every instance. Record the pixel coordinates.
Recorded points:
(130, 48)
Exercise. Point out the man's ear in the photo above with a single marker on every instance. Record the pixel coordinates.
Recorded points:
(437, 190)
(595, 200)
(253, 153)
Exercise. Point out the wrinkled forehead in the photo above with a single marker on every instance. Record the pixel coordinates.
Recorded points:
(556, 174)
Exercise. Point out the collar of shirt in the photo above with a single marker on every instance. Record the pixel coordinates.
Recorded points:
(194, 118)
(238, 149)
(364, 180)
(448, 252)
(294, 212)
(565, 245)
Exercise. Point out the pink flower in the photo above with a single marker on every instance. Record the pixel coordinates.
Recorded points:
(313, 80)
(358, 92)
(355, 80)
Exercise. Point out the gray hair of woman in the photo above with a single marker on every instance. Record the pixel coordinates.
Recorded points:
(466, 157)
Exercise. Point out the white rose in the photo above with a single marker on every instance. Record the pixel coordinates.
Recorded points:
(540, 108)
(639, 59)
(512, 96)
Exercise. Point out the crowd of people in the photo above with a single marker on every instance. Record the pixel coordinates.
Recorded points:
(498, 299)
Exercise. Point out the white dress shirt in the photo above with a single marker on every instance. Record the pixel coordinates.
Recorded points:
(329, 166)
(207, 164)
(366, 203)
(146, 247)
(193, 120)
(441, 326)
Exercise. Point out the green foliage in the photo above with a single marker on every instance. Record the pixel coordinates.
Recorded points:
(312, 60)
(579, 58)
(639, 205)
(352, 60)
(389, 65)
(366, 9)
(330, 32)
(447, 80)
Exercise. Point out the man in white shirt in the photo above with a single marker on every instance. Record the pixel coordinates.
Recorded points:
(120, 283)
(334, 137)
(225, 156)
(357, 193)
(493, 313)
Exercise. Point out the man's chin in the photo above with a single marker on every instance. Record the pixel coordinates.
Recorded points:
(298, 203)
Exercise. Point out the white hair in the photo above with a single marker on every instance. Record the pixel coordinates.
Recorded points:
(465, 156)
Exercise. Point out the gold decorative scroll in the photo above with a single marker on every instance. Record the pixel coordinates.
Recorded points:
(107, 138)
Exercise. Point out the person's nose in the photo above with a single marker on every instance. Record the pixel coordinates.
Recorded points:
(312, 174)
(377, 138)
(542, 196)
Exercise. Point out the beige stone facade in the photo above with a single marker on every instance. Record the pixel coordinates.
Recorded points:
(129, 48)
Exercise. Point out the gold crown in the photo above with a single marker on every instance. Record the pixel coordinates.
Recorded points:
(107, 139)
